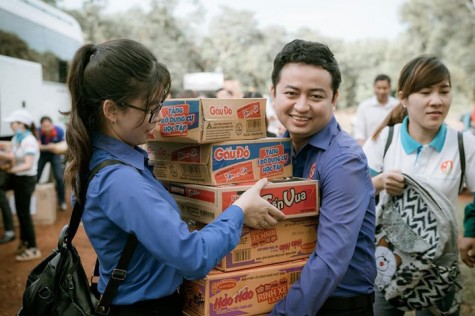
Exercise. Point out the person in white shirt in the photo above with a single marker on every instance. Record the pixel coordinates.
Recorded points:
(423, 146)
(372, 111)
(22, 180)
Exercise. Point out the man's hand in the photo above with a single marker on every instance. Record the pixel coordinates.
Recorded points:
(467, 251)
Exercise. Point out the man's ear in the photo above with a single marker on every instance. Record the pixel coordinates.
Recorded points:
(335, 99)
(272, 92)
(109, 109)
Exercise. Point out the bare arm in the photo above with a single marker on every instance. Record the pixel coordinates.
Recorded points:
(26, 165)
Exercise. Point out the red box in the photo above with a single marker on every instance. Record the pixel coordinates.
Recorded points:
(295, 197)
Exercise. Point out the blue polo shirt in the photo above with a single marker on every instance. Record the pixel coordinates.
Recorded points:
(124, 200)
(343, 264)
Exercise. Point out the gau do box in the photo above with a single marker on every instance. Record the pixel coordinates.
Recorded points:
(211, 120)
(221, 163)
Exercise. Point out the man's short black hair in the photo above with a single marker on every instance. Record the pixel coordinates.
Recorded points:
(306, 52)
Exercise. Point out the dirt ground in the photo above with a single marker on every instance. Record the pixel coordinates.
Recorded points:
(13, 274)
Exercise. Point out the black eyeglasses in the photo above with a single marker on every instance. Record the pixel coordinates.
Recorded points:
(153, 113)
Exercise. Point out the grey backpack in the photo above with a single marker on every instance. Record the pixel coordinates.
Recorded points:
(416, 253)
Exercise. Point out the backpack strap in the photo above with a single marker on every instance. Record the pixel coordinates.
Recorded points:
(462, 158)
(119, 273)
(389, 140)
(78, 208)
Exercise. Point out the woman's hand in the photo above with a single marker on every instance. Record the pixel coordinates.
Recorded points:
(258, 212)
(392, 181)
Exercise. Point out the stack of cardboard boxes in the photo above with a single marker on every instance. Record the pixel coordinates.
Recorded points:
(209, 151)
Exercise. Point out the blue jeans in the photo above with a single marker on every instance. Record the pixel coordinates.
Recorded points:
(57, 166)
(382, 307)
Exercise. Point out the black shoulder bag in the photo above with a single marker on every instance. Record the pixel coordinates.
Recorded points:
(58, 286)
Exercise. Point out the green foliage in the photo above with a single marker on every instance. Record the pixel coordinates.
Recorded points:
(236, 45)
(12, 46)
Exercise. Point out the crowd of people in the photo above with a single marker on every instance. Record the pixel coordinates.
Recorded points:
(117, 90)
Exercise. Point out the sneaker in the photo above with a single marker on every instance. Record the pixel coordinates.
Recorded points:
(6, 239)
(22, 246)
(64, 207)
(29, 254)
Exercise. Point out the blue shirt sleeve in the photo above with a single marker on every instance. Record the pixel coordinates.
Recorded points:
(60, 132)
(344, 202)
(143, 207)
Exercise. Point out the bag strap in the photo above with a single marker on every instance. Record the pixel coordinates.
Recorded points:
(78, 208)
(120, 272)
(462, 158)
(118, 275)
(389, 140)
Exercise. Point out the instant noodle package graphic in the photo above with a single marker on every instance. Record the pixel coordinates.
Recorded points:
(211, 120)
(221, 163)
(289, 240)
(295, 197)
(244, 292)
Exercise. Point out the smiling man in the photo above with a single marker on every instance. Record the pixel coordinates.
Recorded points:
(338, 277)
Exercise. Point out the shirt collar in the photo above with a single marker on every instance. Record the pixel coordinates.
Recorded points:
(410, 145)
(121, 151)
(322, 138)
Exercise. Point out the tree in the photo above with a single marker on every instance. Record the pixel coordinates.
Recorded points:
(445, 29)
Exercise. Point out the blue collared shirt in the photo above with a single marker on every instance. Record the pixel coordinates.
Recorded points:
(343, 263)
(128, 199)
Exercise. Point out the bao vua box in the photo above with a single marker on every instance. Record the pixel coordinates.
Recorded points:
(211, 120)
(295, 197)
(290, 239)
(244, 292)
(221, 163)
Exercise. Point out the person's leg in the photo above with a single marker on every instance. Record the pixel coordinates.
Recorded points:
(7, 219)
(24, 187)
(381, 307)
(41, 165)
(58, 172)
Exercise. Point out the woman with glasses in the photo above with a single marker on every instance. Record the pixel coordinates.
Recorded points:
(117, 89)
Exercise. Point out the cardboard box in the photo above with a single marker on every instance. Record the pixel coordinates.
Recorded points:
(43, 204)
(5, 146)
(244, 292)
(295, 197)
(291, 239)
(221, 163)
(211, 120)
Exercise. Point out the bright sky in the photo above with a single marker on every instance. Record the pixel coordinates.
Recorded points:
(344, 19)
